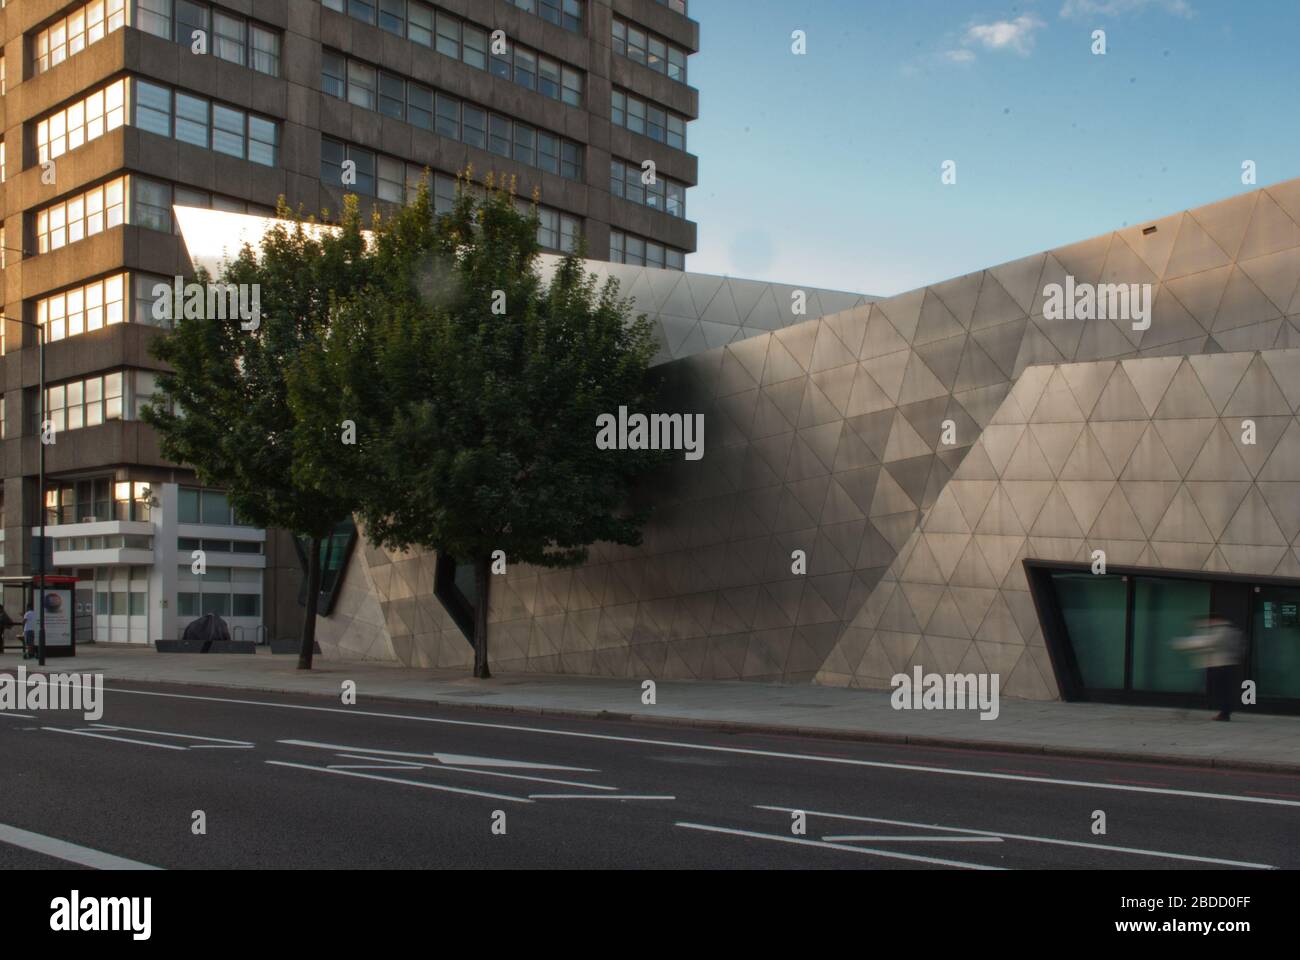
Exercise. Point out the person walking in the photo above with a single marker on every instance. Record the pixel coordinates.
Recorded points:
(29, 633)
(1219, 649)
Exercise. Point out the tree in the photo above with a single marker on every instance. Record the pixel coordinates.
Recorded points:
(224, 406)
(478, 390)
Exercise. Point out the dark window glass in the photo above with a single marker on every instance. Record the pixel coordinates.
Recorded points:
(1094, 609)
(474, 131)
(1165, 610)
(392, 95)
(419, 105)
(392, 15)
(499, 136)
(448, 123)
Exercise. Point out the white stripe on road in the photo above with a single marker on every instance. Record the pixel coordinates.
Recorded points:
(21, 716)
(104, 736)
(71, 852)
(480, 773)
(803, 841)
(1136, 851)
(744, 751)
(410, 783)
(213, 741)
(594, 796)
(914, 839)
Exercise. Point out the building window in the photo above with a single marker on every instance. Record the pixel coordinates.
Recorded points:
(84, 215)
(230, 37)
(626, 248)
(76, 31)
(91, 306)
(88, 402)
(665, 195)
(364, 86)
(649, 49)
(648, 120)
(81, 122)
(195, 120)
(202, 505)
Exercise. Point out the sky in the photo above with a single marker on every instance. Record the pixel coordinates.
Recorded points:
(824, 169)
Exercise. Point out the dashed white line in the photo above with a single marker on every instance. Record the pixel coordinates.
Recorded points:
(105, 736)
(595, 796)
(479, 773)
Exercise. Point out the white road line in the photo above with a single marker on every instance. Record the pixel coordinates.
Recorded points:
(1136, 851)
(743, 751)
(374, 766)
(19, 716)
(104, 736)
(71, 852)
(483, 773)
(410, 783)
(594, 796)
(181, 736)
(909, 839)
(805, 842)
(454, 758)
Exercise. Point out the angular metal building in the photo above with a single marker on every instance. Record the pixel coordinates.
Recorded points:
(956, 464)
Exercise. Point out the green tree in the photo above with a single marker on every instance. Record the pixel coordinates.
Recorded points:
(224, 407)
(477, 388)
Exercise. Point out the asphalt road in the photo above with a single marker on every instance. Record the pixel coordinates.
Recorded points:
(295, 782)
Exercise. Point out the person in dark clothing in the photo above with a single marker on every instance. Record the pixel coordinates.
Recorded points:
(6, 622)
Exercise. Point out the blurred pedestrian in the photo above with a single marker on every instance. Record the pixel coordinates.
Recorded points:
(1218, 645)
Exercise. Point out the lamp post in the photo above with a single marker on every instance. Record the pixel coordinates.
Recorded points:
(40, 642)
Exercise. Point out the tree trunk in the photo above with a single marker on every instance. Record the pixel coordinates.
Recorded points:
(313, 602)
(482, 577)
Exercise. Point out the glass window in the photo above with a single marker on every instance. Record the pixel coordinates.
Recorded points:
(334, 74)
(677, 64)
(191, 119)
(229, 40)
(499, 136)
(475, 47)
(189, 18)
(218, 603)
(392, 95)
(153, 108)
(365, 161)
(392, 15)
(154, 16)
(525, 68)
(215, 507)
(419, 24)
(549, 77)
(227, 131)
(448, 121)
(361, 85)
(247, 605)
(1165, 610)
(153, 201)
(361, 10)
(571, 161)
(448, 40)
(263, 138)
(525, 144)
(618, 112)
(1094, 608)
(548, 152)
(188, 506)
(332, 155)
(419, 106)
(1275, 663)
(474, 126)
(392, 179)
(572, 87)
(676, 132)
(266, 50)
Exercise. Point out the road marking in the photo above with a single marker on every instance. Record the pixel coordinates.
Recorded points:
(1136, 851)
(374, 766)
(595, 796)
(71, 852)
(481, 773)
(22, 716)
(104, 736)
(910, 839)
(215, 741)
(803, 841)
(456, 758)
(743, 751)
(410, 783)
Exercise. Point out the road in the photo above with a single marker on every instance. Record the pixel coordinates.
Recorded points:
(305, 782)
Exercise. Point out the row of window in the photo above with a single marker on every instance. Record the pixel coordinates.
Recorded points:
(203, 505)
(162, 110)
(110, 541)
(651, 121)
(190, 544)
(231, 38)
(92, 306)
(118, 395)
(649, 49)
(213, 126)
(388, 178)
(189, 604)
(448, 116)
(414, 20)
(627, 248)
(663, 194)
(78, 30)
(97, 499)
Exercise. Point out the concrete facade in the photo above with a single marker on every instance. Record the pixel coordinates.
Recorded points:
(826, 436)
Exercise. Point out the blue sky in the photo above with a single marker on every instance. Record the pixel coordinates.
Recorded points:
(824, 169)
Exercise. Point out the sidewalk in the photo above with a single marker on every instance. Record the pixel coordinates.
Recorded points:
(1254, 741)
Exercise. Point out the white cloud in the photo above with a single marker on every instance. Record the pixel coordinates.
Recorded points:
(959, 56)
(1016, 35)
(1114, 8)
